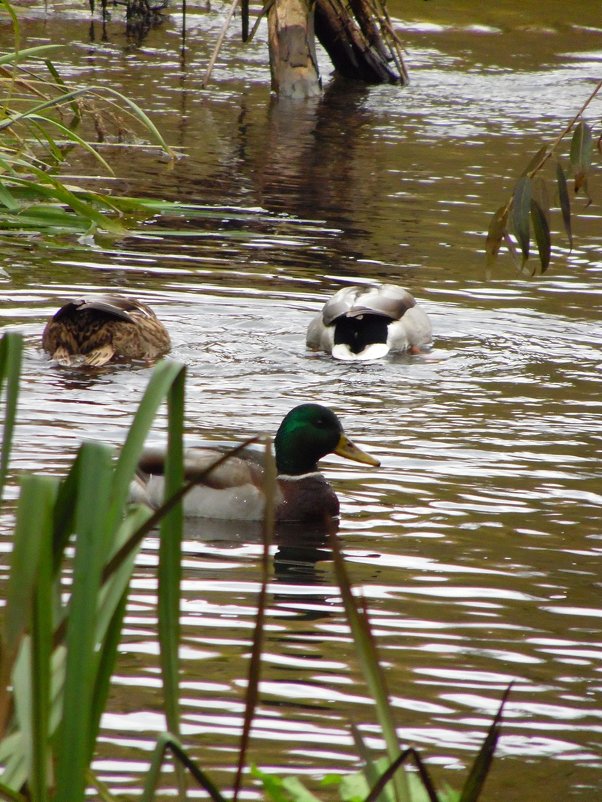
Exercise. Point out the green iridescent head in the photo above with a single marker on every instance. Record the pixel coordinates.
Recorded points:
(308, 433)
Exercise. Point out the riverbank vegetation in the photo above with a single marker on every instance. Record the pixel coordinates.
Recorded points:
(74, 551)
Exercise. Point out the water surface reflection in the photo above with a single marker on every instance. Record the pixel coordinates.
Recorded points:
(477, 544)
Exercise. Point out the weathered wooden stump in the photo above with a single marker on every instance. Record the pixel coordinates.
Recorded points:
(361, 44)
(293, 62)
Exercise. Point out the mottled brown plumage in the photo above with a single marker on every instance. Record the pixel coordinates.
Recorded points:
(93, 331)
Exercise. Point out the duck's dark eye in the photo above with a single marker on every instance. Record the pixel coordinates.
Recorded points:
(320, 423)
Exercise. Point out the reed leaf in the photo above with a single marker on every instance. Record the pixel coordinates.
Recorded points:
(11, 348)
(35, 503)
(482, 764)
(41, 653)
(252, 695)
(167, 742)
(92, 543)
(372, 670)
(72, 138)
(164, 375)
(39, 51)
(170, 558)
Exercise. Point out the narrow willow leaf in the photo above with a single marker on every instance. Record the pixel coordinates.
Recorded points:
(541, 195)
(482, 764)
(495, 234)
(521, 206)
(537, 161)
(565, 202)
(581, 148)
(581, 183)
(541, 229)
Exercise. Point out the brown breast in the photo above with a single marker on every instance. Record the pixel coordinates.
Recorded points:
(309, 498)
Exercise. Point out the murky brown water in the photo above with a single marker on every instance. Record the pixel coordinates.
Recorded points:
(478, 542)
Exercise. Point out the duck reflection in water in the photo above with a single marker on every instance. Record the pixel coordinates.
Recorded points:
(298, 547)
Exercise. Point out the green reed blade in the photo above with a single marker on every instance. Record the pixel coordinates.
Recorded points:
(93, 542)
(170, 557)
(166, 741)
(482, 764)
(365, 644)
(163, 376)
(42, 631)
(11, 349)
(252, 694)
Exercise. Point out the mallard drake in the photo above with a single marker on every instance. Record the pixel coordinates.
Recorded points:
(368, 322)
(93, 331)
(233, 490)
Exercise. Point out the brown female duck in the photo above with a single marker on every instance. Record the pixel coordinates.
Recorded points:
(94, 331)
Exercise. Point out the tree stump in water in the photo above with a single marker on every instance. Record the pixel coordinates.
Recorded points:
(361, 45)
(292, 49)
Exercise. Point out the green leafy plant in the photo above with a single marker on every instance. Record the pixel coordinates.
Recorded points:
(40, 116)
(527, 211)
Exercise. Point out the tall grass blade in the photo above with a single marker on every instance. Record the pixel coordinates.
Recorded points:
(11, 348)
(92, 544)
(165, 742)
(252, 696)
(33, 509)
(368, 658)
(42, 628)
(155, 518)
(104, 672)
(426, 784)
(29, 52)
(163, 376)
(25, 668)
(370, 770)
(480, 768)
(170, 558)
